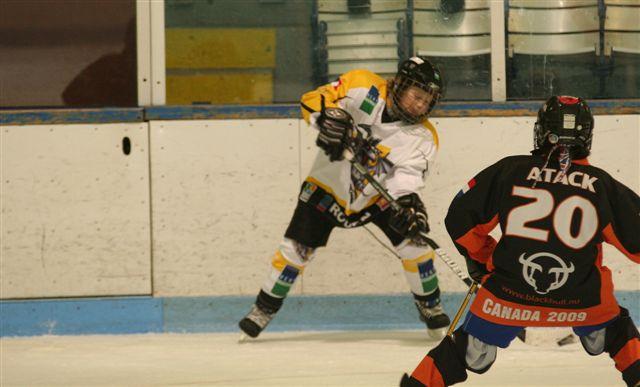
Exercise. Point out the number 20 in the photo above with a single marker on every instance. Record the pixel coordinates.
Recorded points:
(541, 207)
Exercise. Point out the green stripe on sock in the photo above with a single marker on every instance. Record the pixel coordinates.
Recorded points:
(280, 289)
(429, 285)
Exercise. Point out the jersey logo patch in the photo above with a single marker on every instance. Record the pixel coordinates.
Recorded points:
(545, 271)
(324, 203)
(307, 191)
(370, 100)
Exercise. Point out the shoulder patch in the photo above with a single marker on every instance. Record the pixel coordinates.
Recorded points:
(370, 100)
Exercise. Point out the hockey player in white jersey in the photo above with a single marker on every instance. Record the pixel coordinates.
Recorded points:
(384, 125)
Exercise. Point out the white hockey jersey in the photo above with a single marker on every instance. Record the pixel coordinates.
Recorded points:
(405, 150)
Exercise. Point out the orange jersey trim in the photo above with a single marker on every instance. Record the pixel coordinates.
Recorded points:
(611, 238)
(478, 242)
(581, 161)
(496, 310)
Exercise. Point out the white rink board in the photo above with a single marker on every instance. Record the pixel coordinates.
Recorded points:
(223, 192)
(217, 238)
(76, 216)
(75, 211)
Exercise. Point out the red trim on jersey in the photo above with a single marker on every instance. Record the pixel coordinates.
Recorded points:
(581, 161)
(628, 354)
(611, 238)
(478, 242)
(428, 374)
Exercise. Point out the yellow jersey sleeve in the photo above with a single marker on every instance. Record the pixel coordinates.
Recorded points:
(333, 92)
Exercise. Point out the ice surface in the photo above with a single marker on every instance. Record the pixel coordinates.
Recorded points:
(277, 359)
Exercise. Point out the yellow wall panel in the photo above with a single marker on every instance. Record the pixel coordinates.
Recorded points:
(221, 88)
(218, 48)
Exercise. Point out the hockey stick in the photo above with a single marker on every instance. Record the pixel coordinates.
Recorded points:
(473, 286)
(396, 207)
(472, 289)
(451, 264)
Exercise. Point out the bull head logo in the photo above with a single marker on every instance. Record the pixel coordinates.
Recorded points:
(541, 279)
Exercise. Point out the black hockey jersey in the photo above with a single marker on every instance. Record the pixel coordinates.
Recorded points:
(546, 269)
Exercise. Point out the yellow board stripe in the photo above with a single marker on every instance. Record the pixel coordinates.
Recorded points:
(220, 48)
(279, 262)
(411, 265)
(220, 88)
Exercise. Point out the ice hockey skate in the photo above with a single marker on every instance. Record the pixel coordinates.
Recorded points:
(436, 319)
(254, 322)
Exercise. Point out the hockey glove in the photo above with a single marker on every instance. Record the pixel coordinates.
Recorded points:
(335, 126)
(411, 220)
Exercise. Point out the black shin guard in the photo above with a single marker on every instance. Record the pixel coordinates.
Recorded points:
(449, 357)
(618, 334)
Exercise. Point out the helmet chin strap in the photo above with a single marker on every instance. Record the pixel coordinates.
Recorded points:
(564, 159)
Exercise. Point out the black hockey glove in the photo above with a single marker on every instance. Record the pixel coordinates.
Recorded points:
(476, 269)
(335, 126)
(411, 220)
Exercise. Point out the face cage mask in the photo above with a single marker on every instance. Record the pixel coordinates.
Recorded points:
(398, 89)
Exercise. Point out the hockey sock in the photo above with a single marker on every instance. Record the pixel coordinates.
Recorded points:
(282, 276)
(444, 365)
(420, 272)
(622, 343)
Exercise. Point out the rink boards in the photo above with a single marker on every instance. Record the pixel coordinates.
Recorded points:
(221, 314)
(196, 208)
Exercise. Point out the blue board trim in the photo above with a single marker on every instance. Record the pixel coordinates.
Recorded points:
(126, 315)
(220, 112)
(81, 316)
(70, 116)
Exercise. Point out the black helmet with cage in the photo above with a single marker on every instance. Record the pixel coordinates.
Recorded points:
(564, 121)
(415, 72)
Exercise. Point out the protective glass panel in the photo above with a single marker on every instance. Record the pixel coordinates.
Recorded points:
(255, 52)
(456, 36)
(588, 48)
(59, 53)
(237, 52)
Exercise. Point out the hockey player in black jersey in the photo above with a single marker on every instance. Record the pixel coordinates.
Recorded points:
(396, 144)
(555, 210)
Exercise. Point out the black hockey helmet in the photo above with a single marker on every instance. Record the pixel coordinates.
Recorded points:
(416, 71)
(564, 121)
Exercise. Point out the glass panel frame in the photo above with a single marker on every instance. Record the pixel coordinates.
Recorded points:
(500, 84)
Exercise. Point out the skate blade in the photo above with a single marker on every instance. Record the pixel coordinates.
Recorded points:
(244, 338)
(437, 334)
